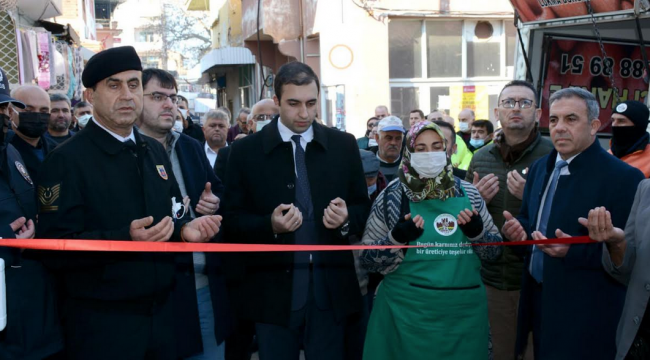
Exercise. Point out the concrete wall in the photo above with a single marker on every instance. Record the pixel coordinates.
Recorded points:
(350, 37)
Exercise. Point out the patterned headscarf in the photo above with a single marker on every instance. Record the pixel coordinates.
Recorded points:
(420, 188)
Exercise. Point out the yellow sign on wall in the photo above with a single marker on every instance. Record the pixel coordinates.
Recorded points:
(473, 97)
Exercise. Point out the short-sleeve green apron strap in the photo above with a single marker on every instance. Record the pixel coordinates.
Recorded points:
(434, 305)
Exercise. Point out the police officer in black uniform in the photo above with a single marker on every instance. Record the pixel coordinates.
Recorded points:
(109, 182)
(32, 330)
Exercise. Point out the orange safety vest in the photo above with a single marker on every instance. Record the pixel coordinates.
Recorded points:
(639, 159)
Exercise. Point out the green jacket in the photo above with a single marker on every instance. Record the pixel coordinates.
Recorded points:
(505, 272)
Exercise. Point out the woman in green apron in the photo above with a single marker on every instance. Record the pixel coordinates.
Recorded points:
(431, 303)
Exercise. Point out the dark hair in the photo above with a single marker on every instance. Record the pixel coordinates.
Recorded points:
(81, 104)
(446, 125)
(56, 97)
(522, 83)
(486, 124)
(369, 120)
(419, 112)
(295, 73)
(165, 79)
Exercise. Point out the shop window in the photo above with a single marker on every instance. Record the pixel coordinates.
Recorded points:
(511, 46)
(405, 49)
(439, 98)
(484, 51)
(403, 100)
(145, 36)
(444, 48)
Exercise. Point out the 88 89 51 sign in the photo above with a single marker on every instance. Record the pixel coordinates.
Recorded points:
(581, 63)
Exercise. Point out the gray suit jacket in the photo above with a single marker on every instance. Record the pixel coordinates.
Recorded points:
(635, 270)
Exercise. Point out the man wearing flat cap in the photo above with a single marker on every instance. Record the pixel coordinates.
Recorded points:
(630, 136)
(375, 180)
(109, 182)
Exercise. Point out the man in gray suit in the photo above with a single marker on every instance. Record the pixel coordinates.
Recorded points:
(629, 266)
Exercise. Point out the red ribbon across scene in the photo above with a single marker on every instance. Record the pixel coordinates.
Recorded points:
(144, 246)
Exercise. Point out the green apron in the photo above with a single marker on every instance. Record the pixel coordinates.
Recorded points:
(434, 306)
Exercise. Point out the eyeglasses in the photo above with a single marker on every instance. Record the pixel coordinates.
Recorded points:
(523, 103)
(160, 97)
(262, 117)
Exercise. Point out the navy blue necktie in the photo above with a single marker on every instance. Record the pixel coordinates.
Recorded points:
(303, 193)
(537, 266)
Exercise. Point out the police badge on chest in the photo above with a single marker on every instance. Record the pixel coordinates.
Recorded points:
(178, 209)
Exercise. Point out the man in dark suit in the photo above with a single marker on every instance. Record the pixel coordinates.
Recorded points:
(202, 189)
(215, 130)
(567, 299)
(109, 182)
(297, 182)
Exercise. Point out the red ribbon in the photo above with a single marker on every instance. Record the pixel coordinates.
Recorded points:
(144, 246)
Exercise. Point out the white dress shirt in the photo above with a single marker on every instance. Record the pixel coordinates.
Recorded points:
(118, 137)
(305, 138)
(212, 156)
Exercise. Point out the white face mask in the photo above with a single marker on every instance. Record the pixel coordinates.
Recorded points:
(463, 126)
(83, 120)
(178, 126)
(429, 164)
(372, 142)
(183, 112)
(261, 124)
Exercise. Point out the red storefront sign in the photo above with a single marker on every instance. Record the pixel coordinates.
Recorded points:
(580, 63)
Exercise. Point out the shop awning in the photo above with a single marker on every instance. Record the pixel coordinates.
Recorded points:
(40, 9)
(226, 57)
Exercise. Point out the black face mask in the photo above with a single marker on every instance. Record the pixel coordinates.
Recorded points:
(627, 139)
(33, 124)
(4, 125)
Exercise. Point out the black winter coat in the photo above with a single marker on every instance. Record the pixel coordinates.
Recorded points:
(93, 187)
(260, 176)
(32, 330)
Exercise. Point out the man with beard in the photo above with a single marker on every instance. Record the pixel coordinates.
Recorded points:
(29, 125)
(198, 183)
(629, 135)
(58, 128)
(499, 173)
(215, 130)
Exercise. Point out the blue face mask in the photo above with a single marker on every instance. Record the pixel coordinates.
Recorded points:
(372, 188)
(477, 143)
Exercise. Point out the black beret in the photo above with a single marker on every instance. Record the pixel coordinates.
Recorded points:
(110, 62)
(636, 111)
